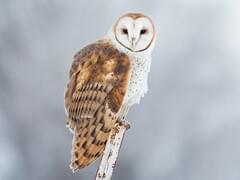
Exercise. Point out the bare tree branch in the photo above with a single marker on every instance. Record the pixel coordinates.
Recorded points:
(111, 151)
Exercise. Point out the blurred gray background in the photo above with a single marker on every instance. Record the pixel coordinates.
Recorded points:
(186, 128)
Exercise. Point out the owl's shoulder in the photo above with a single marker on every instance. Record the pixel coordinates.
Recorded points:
(100, 52)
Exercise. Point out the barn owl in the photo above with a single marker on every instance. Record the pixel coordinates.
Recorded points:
(106, 78)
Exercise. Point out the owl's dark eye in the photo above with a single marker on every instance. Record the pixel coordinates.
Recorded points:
(143, 31)
(124, 31)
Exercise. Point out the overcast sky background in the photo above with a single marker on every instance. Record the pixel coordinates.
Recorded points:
(186, 128)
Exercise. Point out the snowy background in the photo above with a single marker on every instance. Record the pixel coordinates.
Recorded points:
(186, 128)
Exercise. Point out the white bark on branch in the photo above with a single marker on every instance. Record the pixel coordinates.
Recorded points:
(111, 151)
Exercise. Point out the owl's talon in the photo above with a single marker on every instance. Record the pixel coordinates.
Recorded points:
(126, 124)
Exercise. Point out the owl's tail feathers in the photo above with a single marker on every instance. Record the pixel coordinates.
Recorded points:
(89, 141)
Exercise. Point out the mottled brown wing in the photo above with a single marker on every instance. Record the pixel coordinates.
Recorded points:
(98, 82)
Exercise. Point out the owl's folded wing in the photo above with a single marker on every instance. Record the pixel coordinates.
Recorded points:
(98, 77)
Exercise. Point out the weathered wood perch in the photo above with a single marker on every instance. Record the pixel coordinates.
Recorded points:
(111, 151)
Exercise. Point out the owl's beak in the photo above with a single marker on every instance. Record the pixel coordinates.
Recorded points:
(133, 42)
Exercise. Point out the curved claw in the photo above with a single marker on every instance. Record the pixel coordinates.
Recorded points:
(126, 124)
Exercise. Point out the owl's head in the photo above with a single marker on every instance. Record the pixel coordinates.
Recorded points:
(135, 32)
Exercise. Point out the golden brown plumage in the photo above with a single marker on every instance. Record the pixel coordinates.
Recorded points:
(98, 82)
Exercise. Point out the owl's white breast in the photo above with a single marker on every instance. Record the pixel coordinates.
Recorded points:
(137, 86)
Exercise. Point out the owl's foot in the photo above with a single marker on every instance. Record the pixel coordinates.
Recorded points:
(125, 123)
